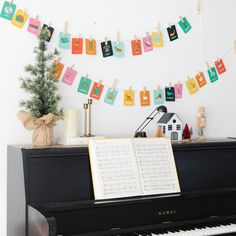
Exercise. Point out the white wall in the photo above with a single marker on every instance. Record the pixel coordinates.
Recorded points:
(172, 63)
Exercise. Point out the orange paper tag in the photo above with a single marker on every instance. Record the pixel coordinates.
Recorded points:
(77, 46)
(91, 48)
(145, 98)
(96, 91)
(128, 97)
(201, 80)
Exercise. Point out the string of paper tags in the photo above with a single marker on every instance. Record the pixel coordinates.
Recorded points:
(158, 96)
(89, 46)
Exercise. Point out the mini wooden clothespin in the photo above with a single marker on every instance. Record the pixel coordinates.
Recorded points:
(57, 61)
(198, 7)
(90, 38)
(37, 17)
(170, 85)
(117, 37)
(99, 82)
(235, 46)
(207, 65)
(189, 78)
(114, 85)
(144, 89)
(169, 25)
(135, 37)
(66, 24)
(158, 27)
(106, 40)
(179, 82)
(158, 88)
(72, 67)
(10, 3)
(49, 24)
(130, 89)
(147, 34)
(181, 18)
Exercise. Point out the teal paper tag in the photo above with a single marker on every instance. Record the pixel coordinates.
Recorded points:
(213, 74)
(184, 24)
(118, 49)
(111, 96)
(159, 97)
(84, 85)
(170, 94)
(64, 40)
(8, 10)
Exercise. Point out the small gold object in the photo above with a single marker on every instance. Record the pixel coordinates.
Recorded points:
(85, 120)
(90, 101)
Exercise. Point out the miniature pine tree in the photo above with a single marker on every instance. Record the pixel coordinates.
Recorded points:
(41, 83)
(186, 132)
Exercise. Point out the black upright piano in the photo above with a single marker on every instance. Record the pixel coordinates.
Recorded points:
(50, 193)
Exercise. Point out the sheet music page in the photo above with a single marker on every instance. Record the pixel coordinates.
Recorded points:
(114, 168)
(156, 166)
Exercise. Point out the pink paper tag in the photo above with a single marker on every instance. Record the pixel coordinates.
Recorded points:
(69, 76)
(178, 90)
(34, 26)
(147, 44)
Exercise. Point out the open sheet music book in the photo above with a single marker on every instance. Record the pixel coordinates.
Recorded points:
(132, 167)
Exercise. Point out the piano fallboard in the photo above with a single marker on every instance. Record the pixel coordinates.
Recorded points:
(57, 183)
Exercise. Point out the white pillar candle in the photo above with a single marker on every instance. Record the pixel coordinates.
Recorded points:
(70, 123)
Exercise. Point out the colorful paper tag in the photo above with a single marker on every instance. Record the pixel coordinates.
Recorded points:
(48, 32)
(128, 97)
(91, 48)
(69, 76)
(84, 85)
(96, 91)
(201, 80)
(118, 49)
(34, 26)
(147, 44)
(64, 40)
(170, 94)
(8, 10)
(159, 97)
(220, 66)
(111, 96)
(184, 24)
(213, 74)
(20, 18)
(107, 49)
(77, 46)
(136, 47)
(56, 70)
(157, 39)
(178, 90)
(192, 86)
(145, 98)
(172, 32)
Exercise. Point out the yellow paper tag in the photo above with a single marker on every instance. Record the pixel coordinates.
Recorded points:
(20, 18)
(128, 97)
(157, 39)
(192, 86)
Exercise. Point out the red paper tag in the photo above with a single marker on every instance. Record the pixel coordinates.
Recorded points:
(96, 91)
(220, 66)
(77, 46)
(136, 47)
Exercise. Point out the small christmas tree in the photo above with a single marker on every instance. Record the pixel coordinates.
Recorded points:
(41, 83)
(186, 132)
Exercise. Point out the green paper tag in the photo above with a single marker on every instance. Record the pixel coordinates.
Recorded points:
(213, 74)
(159, 97)
(84, 85)
(8, 10)
(111, 96)
(64, 40)
(170, 94)
(185, 26)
